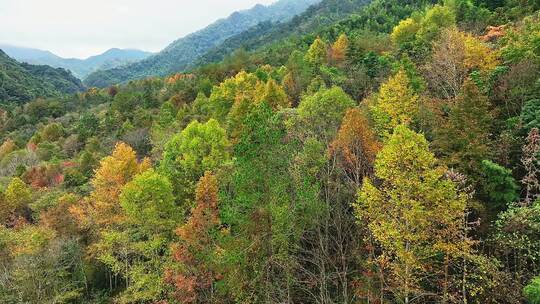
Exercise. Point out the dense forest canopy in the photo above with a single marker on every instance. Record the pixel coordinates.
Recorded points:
(386, 156)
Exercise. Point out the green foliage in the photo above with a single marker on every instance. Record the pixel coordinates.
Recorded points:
(284, 122)
(499, 185)
(149, 203)
(516, 237)
(463, 138)
(198, 148)
(530, 115)
(40, 269)
(323, 111)
(88, 126)
(21, 82)
(167, 115)
(259, 190)
(522, 42)
(532, 291)
(434, 20)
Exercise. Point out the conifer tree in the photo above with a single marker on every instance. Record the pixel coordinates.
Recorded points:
(463, 139)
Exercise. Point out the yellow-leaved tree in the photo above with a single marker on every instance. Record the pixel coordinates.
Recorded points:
(102, 209)
(415, 215)
(396, 104)
(338, 51)
(317, 53)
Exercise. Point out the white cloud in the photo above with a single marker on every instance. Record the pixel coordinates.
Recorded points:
(80, 28)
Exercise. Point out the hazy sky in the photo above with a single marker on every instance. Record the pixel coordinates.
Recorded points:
(80, 28)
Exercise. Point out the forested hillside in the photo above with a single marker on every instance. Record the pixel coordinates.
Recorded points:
(314, 18)
(184, 51)
(21, 82)
(387, 156)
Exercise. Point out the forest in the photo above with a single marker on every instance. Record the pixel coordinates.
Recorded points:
(391, 155)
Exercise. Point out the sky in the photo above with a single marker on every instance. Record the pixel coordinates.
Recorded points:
(81, 28)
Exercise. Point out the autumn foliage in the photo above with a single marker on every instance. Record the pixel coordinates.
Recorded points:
(193, 275)
(102, 207)
(356, 146)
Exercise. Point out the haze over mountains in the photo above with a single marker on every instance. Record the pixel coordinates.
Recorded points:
(185, 51)
(79, 67)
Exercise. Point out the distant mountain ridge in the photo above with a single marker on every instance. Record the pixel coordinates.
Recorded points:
(79, 67)
(317, 16)
(185, 51)
(21, 82)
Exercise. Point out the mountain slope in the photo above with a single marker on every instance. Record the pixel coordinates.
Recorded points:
(79, 67)
(20, 82)
(183, 52)
(315, 17)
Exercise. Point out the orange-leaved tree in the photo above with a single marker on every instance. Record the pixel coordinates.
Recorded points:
(194, 273)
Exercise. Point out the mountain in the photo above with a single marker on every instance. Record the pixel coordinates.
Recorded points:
(314, 18)
(185, 51)
(20, 82)
(79, 67)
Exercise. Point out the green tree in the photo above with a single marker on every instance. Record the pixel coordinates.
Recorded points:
(532, 291)
(167, 115)
(200, 147)
(149, 203)
(52, 132)
(298, 76)
(499, 186)
(404, 34)
(322, 112)
(39, 268)
(516, 237)
(463, 138)
(87, 126)
(263, 221)
(530, 115)
(435, 19)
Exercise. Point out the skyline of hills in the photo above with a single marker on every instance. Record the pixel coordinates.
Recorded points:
(185, 51)
(80, 68)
